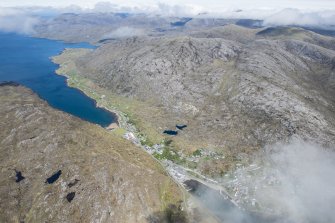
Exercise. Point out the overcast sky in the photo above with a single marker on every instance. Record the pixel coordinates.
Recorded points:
(213, 5)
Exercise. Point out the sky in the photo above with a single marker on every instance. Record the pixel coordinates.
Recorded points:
(211, 5)
(313, 13)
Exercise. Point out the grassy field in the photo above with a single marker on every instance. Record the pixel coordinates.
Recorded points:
(107, 166)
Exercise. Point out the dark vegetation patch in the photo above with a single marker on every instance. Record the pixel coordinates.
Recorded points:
(70, 196)
(107, 40)
(71, 184)
(167, 142)
(280, 30)
(172, 214)
(267, 31)
(197, 152)
(54, 177)
(19, 176)
(181, 127)
(324, 32)
(170, 132)
(169, 154)
(191, 185)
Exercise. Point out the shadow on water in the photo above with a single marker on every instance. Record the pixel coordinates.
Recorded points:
(171, 214)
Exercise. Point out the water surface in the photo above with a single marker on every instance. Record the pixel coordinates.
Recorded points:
(26, 60)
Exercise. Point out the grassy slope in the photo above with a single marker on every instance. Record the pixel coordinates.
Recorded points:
(90, 153)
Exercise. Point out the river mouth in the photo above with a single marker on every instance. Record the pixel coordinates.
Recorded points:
(26, 61)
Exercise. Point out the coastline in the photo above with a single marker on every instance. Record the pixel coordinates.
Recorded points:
(178, 169)
(103, 99)
(120, 121)
(178, 173)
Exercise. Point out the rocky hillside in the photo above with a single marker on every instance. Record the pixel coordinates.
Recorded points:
(100, 27)
(231, 93)
(236, 89)
(57, 168)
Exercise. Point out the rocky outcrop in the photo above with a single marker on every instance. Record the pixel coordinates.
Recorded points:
(58, 168)
(264, 90)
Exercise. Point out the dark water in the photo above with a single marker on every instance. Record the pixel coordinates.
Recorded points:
(70, 196)
(54, 177)
(170, 132)
(182, 22)
(19, 176)
(26, 60)
(181, 127)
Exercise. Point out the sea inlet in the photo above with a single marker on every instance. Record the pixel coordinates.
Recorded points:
(26, 61)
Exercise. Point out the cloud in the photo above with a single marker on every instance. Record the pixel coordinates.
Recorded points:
(178, 10)
(272, 16)
(296, 181)
(124, 32)
(306, 182)
(13, 20)
(24, 19)
(105, 7)
(296, 17)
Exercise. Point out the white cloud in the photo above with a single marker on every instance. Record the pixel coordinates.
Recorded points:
(12, 20)
(208, 4)
(178, 10)
(301, 12)
(296, 182)
(306, 182)
(105, 7)
(124, 32)
(297, 17)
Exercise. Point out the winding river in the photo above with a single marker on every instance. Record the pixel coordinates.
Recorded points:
(26, 60)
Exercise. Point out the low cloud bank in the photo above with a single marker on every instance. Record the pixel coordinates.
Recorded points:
(305, 182)
(18, 21)
(124, 32)
(324, 19)
(178, 10)
(295, 181)
(162, 9)
(271, 16)
(25, 18)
